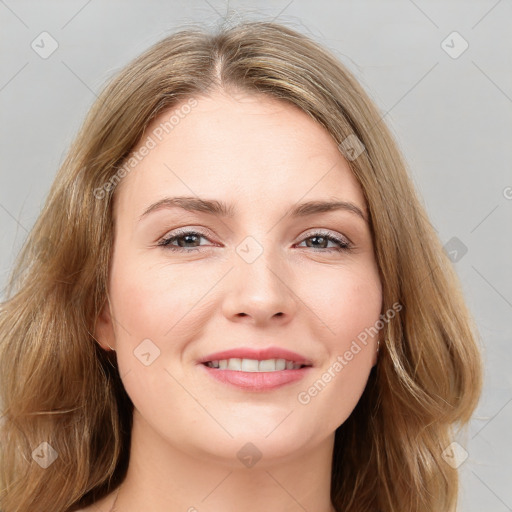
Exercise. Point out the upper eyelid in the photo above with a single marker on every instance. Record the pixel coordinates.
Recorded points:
(179, 232)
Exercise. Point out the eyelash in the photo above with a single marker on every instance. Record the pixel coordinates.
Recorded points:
(344, 245)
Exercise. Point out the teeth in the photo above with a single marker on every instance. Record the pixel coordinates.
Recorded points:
(280, 364)
(269, 365)
(234, 364)
(249, 365)
(254, 365)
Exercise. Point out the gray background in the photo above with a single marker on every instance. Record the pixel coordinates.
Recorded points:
(451, 117)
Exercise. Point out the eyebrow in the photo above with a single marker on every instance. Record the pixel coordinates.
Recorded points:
(220, 209)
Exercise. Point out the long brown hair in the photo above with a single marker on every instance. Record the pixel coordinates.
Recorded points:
(59, 387)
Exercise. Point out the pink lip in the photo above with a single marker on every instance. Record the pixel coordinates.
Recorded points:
(257, 381)
(259, 354)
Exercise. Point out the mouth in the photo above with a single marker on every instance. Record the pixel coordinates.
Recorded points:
(254, 365)
(252, 369)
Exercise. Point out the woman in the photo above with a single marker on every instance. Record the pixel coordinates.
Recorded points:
(233, 299)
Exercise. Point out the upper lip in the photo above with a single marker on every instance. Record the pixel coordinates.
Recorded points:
(260, 354)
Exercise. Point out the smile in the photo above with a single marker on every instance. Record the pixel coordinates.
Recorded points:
(254, 365)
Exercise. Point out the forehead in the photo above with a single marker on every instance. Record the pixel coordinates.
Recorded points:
(244, 148)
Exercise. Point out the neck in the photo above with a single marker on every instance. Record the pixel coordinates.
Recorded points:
(163, 477)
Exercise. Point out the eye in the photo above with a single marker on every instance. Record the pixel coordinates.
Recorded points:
(187, 241)
(320, 240)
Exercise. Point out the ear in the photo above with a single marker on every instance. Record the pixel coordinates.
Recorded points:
(104, 329)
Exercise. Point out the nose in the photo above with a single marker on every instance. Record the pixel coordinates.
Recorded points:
(260, 292)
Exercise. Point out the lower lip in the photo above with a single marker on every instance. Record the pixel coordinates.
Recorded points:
(257, 381)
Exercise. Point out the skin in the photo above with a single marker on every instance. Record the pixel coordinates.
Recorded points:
(262, 156)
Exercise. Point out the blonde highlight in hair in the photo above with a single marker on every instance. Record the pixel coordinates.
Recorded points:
(59, 386)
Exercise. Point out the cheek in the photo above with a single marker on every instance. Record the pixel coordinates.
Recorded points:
(151, 300)
(153, 305)
(346, 301)
(348, 305)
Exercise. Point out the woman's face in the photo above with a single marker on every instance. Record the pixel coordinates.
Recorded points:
(258, 279)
